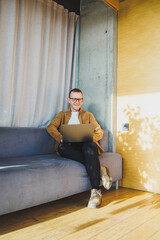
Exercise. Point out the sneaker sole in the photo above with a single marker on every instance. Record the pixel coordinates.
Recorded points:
(94, 206)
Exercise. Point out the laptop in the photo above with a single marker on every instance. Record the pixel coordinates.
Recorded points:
(78, 132)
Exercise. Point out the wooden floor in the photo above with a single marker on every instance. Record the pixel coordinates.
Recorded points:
(125, 214)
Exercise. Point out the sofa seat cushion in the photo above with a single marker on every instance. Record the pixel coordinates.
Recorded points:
(28, 162)
(33, 180)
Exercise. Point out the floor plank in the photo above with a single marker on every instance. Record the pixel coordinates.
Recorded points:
(125, 214)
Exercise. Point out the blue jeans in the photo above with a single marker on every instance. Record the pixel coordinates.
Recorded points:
(85, 153)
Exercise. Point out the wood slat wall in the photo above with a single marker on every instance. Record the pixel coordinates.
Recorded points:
(112, 3)
(138, 89)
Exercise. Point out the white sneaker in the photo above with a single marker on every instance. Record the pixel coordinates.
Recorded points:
(95, 199)
(106, 179)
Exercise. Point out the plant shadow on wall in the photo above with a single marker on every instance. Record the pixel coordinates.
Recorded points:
(140, 150)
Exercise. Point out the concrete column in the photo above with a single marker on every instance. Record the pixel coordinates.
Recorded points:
(97, 63)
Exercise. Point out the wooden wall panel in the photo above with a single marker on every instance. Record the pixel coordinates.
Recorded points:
(138, 90)
(112, 3)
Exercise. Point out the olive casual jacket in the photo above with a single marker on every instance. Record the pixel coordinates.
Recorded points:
(55, 127)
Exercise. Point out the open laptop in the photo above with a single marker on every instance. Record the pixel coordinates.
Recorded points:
(78, 132)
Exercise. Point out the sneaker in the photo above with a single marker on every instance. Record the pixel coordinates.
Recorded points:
(106, 179)
(95, 199)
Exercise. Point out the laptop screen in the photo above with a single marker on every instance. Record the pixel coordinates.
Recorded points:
(78, 132)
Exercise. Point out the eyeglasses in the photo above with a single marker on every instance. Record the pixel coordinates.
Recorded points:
(77, 99)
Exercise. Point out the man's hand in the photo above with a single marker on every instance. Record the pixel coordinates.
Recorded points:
(62, 140)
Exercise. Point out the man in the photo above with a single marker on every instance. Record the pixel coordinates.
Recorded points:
(86, 152)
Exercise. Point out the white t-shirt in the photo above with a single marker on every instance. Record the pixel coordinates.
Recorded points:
(74, 118)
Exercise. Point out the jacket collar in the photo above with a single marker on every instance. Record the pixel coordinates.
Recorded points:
(69, 110)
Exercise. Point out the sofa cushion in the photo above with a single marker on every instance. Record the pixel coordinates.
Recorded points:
(104, 141)
(21, 141)
(29, 181)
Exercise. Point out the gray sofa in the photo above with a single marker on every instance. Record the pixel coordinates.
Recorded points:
(31, 173)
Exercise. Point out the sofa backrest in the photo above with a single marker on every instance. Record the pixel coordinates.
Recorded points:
(104, 141)
(26, 141)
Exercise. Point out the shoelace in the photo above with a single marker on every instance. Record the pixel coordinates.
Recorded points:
(95, 192)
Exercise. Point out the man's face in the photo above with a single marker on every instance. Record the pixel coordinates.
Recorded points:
(75, 100)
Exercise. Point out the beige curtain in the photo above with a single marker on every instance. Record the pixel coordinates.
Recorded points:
(38, 52)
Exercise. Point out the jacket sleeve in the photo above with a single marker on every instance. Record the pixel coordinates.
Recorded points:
(53, 127)
(98, 132)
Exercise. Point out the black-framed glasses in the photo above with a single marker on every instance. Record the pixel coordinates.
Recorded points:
(77, 99)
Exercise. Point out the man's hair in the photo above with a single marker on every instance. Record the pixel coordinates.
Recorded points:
(75, 90)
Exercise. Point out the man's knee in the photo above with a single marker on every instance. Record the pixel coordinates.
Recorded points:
(90, 148)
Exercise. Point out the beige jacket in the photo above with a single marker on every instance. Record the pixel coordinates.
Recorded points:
(55, 127)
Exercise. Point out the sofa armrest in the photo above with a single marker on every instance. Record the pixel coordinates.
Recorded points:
(113, 161)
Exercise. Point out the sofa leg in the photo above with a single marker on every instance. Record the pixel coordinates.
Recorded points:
(117, 185)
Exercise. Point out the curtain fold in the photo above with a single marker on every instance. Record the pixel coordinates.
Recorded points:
(38, 42)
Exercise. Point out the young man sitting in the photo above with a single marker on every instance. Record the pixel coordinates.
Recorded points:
(83, 152)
